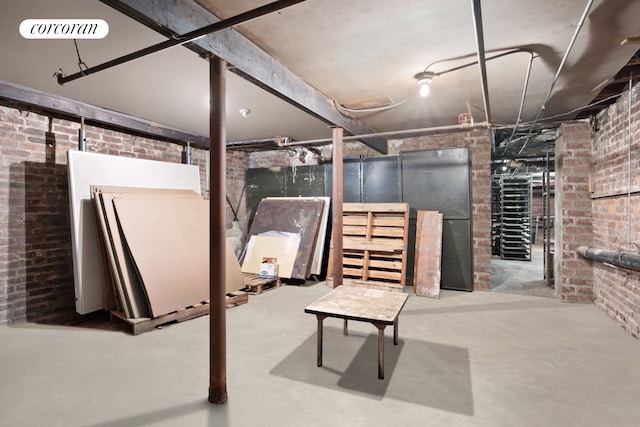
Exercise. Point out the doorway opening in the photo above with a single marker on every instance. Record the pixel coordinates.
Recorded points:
(522, 222)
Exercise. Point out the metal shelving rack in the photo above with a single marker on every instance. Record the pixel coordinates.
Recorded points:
(515, 217)
(496, 222)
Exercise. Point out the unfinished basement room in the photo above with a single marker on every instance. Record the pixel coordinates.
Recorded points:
(320, 213)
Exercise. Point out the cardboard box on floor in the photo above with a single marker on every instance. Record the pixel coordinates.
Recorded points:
(268, 268)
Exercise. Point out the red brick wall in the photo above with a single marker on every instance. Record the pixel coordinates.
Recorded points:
(237, 165)
(36, 274)
(615, 195)
(573, 211)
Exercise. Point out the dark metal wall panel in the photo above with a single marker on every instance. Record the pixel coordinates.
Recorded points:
(457, 255)
(380, 179)
(305, 181)
(261, 183)
(438, 180)
(352, 184)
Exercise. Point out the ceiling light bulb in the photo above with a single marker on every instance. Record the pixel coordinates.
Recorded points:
(424, 89)
(244, 112)
(424, 80)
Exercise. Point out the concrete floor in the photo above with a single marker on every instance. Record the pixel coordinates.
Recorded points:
(467, 359)
(521, 277)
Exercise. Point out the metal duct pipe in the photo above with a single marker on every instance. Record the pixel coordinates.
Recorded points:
(630, 260)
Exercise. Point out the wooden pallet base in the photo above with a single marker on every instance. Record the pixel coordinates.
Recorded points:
(237, 298)
(254, 284)
(145, 324)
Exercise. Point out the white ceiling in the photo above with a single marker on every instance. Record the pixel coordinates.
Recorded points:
(348, 50)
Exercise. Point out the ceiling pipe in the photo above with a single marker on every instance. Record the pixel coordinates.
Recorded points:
(558, 71)
(630, 260)
(487, 59)
(477, 18)
(469, 64)
(524, 95)
(185, 38)
(464, 127)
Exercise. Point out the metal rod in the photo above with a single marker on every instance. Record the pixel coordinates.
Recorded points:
(337, 200)
(547, 221)
(477, 17)
(629, 158)
(185, 38)
(217, 241)
(465, 127)
(524, 95)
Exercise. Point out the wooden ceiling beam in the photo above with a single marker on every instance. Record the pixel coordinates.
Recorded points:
(245, 58)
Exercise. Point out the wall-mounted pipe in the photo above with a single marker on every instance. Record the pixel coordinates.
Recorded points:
(82, 136)
(630, 260)
(186, 154)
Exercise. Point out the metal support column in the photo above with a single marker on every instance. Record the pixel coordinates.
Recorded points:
(217, 261)
(337, 199)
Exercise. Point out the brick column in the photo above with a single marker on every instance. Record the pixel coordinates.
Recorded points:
(574, 276)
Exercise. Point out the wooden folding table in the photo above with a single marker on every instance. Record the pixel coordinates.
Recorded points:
(376, 306)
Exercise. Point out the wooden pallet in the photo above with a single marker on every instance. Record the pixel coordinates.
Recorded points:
(374, 243)
(141, 325)
(236, 298)
(254, 284)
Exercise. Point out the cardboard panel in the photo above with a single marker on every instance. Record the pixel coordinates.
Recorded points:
(301, 216)
(125, 279)
(169, 243)
(283, 248)
(86, 169)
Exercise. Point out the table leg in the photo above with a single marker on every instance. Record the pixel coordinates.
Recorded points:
(395, 332)
(345, 330)
(320, 319)
(380, 350)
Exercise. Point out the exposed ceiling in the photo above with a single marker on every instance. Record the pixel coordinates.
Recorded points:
(356, 53)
